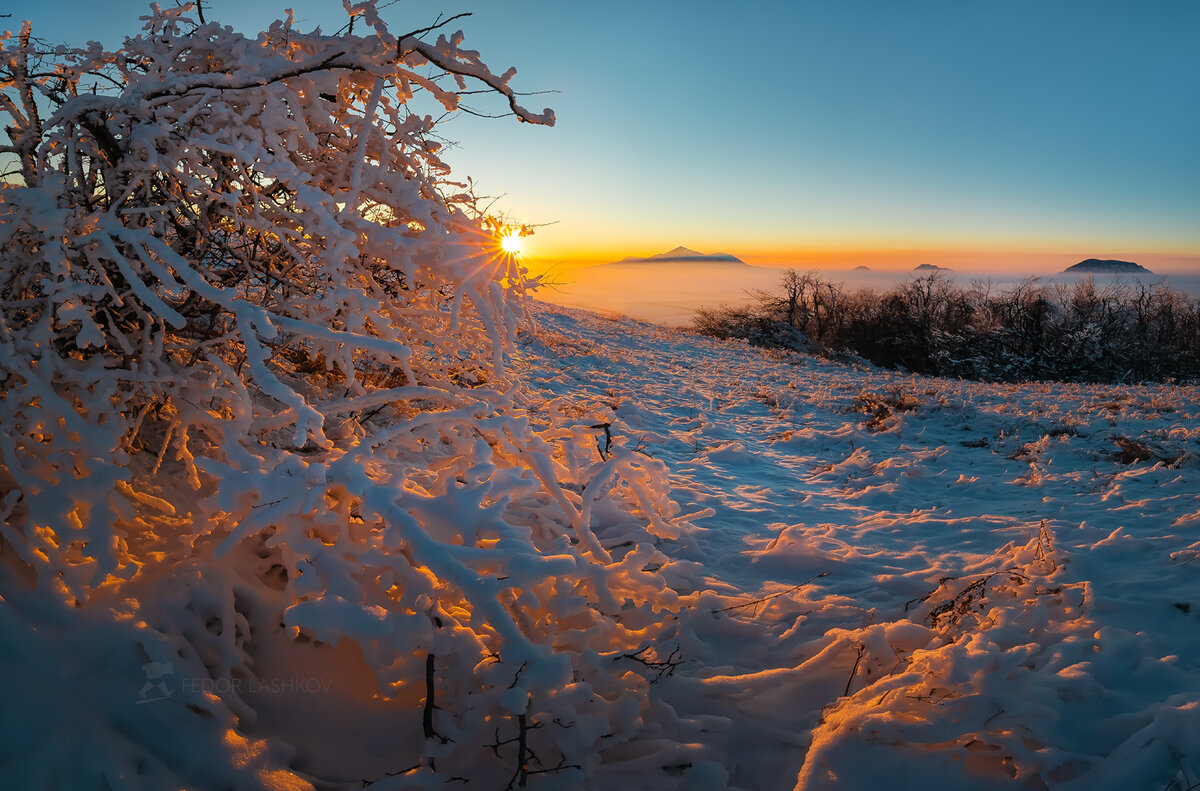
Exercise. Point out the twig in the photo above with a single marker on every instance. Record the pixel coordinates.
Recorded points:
(862, 649)
(522, 749)
(372, 413)
(525, 756)
(638, 447)
(958, 604)
(430, 705)
(607, 439)
(772, 596)
(439, 22)
(397, 773)
(562, 764)
(663, 668)
(1183, 771)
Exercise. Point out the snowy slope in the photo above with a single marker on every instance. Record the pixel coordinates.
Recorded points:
(911, 582)
(895, 582)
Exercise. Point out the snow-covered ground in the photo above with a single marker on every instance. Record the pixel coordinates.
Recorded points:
(908, 582)
(900, 582)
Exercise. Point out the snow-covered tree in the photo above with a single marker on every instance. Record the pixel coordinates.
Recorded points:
(254, 353)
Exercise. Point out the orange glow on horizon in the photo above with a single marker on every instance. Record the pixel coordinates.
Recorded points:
(984, 259)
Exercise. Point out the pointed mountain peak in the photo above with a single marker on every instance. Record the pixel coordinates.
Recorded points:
(684, 255)
(679, 252)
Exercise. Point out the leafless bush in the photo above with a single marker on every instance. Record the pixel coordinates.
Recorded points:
(1079, 332)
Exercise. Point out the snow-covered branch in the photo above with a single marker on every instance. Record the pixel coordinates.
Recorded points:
(244, 316)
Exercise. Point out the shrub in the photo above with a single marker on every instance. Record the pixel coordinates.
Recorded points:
(1079, 332)
(254, 347)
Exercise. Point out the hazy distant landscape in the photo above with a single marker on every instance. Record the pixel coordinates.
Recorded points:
(670, 293)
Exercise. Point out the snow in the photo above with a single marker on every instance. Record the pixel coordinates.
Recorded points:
(317, 514)
(868, 659)
(971, 591)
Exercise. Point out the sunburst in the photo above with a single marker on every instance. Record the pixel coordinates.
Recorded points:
(512, 243)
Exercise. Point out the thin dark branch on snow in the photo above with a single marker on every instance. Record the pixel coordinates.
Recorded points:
(771, 596)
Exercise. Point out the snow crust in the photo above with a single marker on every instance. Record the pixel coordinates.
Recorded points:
(886, 581)
(968, 588)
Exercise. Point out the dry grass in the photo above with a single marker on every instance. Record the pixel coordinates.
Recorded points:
(882, 406)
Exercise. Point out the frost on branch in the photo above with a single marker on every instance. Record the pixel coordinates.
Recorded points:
(254, 379)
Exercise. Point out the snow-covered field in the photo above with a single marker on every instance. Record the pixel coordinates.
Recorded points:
(908, 582)
(894, 582)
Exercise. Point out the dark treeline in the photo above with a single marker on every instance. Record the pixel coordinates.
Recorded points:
(1075, 332)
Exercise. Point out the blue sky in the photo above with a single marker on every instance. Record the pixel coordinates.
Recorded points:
(780, 130)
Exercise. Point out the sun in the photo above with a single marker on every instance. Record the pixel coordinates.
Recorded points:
(512, 243)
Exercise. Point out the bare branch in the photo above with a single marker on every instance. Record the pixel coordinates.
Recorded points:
(439, 22)
(772, 596)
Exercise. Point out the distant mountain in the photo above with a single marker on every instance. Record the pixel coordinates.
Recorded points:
(683, 255)
(931, 268)
(1102, 266)
(861, 268)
